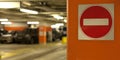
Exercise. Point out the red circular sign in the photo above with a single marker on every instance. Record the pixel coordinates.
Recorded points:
(95, 12)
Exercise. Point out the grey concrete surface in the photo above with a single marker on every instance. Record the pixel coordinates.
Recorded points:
(51, 51)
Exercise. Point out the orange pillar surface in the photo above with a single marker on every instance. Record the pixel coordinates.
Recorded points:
(15, 28)
(92, 49)
(42, 34)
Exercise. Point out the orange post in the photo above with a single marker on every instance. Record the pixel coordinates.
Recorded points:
(92, 47)
(42, 34)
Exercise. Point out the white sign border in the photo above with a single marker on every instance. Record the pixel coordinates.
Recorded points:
(82, 35)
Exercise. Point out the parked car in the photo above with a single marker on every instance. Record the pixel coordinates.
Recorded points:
(6, 38)
(22, 37)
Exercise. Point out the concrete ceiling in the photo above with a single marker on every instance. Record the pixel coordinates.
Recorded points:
(45, 8)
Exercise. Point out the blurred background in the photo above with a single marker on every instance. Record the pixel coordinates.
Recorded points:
(33, 30)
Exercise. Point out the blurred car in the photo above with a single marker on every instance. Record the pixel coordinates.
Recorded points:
(6, 38)
(22, 37)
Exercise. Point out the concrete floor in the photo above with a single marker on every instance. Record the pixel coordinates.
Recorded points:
(51, 51)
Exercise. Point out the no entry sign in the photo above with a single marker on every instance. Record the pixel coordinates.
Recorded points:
(96, 22)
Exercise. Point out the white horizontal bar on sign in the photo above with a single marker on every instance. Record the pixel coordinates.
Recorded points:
(95, 22)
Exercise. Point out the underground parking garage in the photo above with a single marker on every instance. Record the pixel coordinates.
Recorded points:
(41, 21)
(38, 27)
(21, 32)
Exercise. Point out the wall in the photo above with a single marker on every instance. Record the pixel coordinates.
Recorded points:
(92, 49)
(16, 26)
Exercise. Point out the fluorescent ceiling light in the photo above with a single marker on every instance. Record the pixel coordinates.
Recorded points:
(59, 24)
(65, 21)
(6, 22)
(32, 22)
(26, 3)
(28, 11)
(54, 26)
(57, 16)
(9, 4)
(3, 19)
